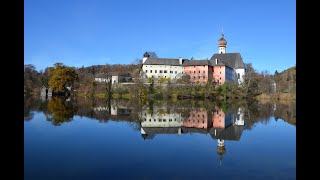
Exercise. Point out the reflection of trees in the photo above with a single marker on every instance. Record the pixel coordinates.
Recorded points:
(60, 111)
(32, 103)
(262, 112)
(286, 112)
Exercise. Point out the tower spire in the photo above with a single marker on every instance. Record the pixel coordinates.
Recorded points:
(222, 44)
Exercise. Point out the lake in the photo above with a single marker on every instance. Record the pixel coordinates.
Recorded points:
(94, 139)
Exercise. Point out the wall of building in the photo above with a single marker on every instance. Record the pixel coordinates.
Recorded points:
(230, 75)
(219, 74)
(198, 74)
(160, 120)
(240, 117)
(198, 118)
(241, 73)
(115, 79)
(218, 118)
(162, 71)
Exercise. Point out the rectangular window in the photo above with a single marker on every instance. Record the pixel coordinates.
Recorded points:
(194, 71)
(160, 120)
(190, 72)
(155, 71)
(146, 71)
(160, 71)
(175, 72)
(194, 77)
(164, 120)
(171, 72)
(220, 72)
(198, 77)
(150, 71)
(199, 71)
(165, 71)
(204, 71)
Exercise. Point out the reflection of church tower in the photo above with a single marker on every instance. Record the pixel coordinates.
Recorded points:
(222, 44)
(221, 149)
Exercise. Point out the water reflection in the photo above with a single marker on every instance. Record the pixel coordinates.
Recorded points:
(182, 116)
(215, 126)
(222, 126)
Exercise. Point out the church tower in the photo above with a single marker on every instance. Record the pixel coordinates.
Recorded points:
(145, 57)
(222, 44)
(221, 149)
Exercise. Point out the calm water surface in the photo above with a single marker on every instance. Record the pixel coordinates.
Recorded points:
(93, 139)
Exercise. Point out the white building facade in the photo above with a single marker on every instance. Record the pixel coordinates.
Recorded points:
(162, 71)
(160, 120)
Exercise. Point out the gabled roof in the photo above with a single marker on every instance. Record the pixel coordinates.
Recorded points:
(161, 130)
(231, 133)
(197, 63)
(194, 130)
(163, 61)
(233, 60)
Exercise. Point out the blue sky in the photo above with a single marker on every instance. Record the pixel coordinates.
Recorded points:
(97, 32)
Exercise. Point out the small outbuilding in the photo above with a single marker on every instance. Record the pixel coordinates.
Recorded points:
(45, 91)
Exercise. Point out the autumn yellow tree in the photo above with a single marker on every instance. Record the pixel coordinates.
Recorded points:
(61, 76)
(60, 111)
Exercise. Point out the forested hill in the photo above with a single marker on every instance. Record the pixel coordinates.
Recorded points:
(115, 69)
(286, 80)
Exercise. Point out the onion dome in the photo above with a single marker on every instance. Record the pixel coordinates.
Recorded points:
(221, 151)
(222, 42)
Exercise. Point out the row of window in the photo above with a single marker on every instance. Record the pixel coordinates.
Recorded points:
(193, 115)
(197, 66)
(198, 121)
(162, 71)
(195, 72)
(161, 120)
(166, 66)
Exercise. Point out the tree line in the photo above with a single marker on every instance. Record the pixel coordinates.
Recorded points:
(82, 81)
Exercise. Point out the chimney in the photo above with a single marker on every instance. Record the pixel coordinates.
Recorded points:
(180, 60)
